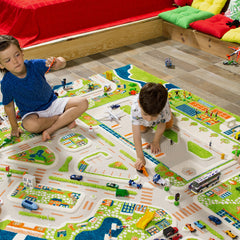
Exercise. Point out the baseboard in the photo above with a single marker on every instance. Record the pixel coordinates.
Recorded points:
(126, 34)
(198, 40)
(98, 41)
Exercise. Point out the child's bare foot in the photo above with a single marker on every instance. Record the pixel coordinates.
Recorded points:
(45, 136)
(72, 125)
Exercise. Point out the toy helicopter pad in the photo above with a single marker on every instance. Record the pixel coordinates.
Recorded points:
(101, 149)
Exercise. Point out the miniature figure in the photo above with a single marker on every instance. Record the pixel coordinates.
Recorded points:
(64, 82)
(168, 63)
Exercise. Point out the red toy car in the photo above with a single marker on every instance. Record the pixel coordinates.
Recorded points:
(176, 237)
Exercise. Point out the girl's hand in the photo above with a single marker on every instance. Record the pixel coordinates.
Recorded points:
(140, 163)
(155, 147)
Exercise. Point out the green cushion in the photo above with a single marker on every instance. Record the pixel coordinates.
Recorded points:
(183, 16)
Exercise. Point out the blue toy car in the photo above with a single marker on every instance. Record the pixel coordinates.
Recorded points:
(214, 219)
(29, 205)
(132, 183)
(76, 177)
(115, 106)
(199, 225)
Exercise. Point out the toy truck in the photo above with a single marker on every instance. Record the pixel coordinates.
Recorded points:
(158, 180)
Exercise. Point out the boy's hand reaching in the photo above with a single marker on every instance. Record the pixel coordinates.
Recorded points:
(55, 63)
(16, 132)
(139, 163)
(155, 147)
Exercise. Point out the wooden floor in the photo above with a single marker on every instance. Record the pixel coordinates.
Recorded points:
(196, 71)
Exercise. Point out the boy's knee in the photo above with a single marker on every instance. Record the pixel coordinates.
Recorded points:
(84, 104)
(31, 125)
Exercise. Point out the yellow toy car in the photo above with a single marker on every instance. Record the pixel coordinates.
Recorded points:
(230, 234)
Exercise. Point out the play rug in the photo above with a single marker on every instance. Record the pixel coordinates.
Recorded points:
(79, 180)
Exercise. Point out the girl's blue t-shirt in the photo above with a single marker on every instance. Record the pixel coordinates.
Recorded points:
(32, 93)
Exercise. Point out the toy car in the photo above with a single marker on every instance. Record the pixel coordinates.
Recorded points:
(214, 219)
(112, 185)
(191, 229)
(134, 184)
(76, 177)
(169, 231)
(29, 205)
(199, 225)
(114, 106)
(158, 180)
(230, 234)
(122, 192)
(230, 62)
(176, 237)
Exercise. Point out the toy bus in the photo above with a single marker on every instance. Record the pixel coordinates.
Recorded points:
(209, 179)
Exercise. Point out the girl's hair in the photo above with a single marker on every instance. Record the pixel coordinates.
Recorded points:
(153, 98)
(5, 42)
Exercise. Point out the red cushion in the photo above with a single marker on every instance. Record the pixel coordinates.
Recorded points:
(215, 26)
(182, 3)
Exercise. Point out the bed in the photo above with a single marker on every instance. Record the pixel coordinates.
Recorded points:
(38, 21)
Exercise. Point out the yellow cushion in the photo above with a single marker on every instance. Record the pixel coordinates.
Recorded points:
(213, 6)
(232, 35)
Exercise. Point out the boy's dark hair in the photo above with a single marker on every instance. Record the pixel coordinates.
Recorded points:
(153, 98)
(5, 42)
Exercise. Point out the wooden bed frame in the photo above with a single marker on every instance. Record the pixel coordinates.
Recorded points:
(118, 36)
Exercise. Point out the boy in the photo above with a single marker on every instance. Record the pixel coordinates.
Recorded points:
(24, 83)
(151, 108)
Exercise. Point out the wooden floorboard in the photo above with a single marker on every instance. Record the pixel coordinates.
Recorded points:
(195, 70)
(199, 72)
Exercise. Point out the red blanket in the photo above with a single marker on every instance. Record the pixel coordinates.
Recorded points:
(37, 21)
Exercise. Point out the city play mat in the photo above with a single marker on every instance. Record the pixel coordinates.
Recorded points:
(100, 149)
